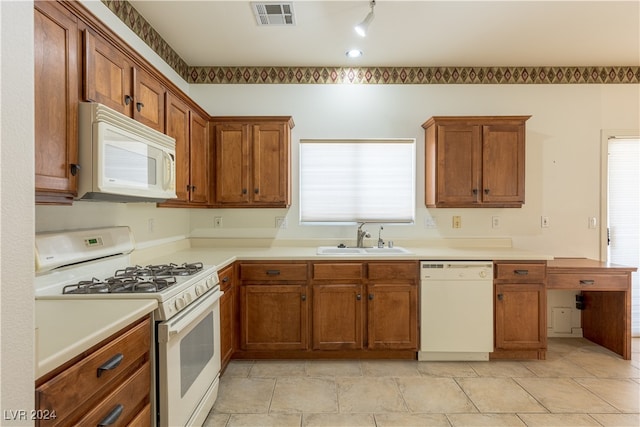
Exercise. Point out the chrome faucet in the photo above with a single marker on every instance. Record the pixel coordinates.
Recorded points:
(361, 235)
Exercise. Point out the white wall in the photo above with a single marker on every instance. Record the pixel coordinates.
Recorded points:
(16, 207)
(562, 159)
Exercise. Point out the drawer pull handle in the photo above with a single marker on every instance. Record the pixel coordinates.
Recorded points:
(112, 417)
(273, 272)
(110, 364)
(587, 282)
(521, 272)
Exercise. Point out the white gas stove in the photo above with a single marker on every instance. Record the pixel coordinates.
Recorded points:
(96, 263)
(92, 264)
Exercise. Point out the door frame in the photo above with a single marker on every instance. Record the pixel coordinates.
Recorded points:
(605, 136)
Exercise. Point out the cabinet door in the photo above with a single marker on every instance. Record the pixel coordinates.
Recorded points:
(108, 75)
(227, 315)
(503, 163)
(270, 166)
(199, 159)
(458, 164)
(273, 317)
(56, 100)
(337, 317)
(148, 99)
(393, 316)
(177, 125)
(520, 316)
(232, 163)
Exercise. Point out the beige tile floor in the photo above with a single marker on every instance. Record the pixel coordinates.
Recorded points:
(580, 384)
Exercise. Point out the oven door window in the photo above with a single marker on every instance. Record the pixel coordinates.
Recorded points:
(196, 350)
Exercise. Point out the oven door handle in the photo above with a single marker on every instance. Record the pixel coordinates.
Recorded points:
(194, 314)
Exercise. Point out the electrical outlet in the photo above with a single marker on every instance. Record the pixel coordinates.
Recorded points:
(593, 222)
(495, 222)
(544, 222)
(457, 221)
(281, 222)
(217, 222)
(151, 225)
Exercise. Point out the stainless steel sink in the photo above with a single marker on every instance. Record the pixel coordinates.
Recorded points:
(333, 250)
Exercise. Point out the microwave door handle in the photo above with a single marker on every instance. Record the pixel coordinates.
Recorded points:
(169, 178)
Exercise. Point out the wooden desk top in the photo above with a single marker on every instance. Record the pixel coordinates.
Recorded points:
(584, 264)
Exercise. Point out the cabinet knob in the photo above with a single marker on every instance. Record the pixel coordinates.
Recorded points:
(244, 191)
(139, 106)
(188, 188)
(304, 297)
(486, 191)
(474, 191)
(74, 168)
(500, 297)
(370, 297)
(358, 297)
(127, 99)
(256, 191)
(193, 188)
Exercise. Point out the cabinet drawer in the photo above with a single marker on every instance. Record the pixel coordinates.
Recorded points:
(93, 375)
(393, 271)
(273, 272)
(226, 278)
(588, 281)
(337, 271)
(520, 272)
(128, 400)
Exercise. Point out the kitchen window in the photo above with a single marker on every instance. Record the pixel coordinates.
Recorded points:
(361, 180)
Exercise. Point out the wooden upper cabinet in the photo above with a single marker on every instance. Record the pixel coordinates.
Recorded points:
(199, 159)
(475, 161)
(112, 79)
(56, 51)
(191, 132)
(253, 161)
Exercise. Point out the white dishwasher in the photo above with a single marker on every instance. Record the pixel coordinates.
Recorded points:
(456, 310)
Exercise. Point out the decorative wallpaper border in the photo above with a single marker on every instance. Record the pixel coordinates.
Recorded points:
(413, 75)
(367, 75)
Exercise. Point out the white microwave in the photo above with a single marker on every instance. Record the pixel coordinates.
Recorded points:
(122, 160)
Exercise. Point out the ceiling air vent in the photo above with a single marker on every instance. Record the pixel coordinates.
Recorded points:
(273, 13)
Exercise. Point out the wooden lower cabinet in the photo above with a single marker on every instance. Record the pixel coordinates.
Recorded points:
(520, 311)
(110, 384)
(274, 316)
(227, 315)
(393, 316)
(353, 308)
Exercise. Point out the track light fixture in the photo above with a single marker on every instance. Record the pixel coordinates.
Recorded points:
(362, 27)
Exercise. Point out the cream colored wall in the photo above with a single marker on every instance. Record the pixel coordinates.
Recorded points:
(16, 207)
(562, 159)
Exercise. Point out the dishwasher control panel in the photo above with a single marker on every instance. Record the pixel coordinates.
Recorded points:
(456, 270)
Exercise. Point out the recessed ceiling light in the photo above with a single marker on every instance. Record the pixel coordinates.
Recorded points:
(354, 53)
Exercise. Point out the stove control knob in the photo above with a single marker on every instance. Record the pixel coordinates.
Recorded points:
(210, 282)
(199, 289)
(483, 274)
(180, 303)
(187, 297)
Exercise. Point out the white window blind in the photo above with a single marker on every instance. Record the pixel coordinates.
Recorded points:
(624, 213)
(357, 180)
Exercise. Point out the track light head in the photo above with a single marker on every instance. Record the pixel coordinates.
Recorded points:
(363, 26)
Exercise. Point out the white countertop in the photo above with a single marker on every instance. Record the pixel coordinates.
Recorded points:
(66, 328)
(223, 256)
